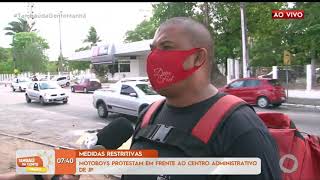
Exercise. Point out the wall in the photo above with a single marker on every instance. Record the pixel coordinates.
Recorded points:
(142, 66)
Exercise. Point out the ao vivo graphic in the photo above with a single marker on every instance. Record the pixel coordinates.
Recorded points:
(287, 14)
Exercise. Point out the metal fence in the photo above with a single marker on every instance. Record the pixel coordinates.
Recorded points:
(48, 76)
(297, 75)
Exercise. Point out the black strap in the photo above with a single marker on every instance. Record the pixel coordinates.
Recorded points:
(38, 177)
(172, 136)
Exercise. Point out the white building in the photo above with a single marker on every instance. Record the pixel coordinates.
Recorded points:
(127, 60)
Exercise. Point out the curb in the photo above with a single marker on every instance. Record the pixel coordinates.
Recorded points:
(302, 106)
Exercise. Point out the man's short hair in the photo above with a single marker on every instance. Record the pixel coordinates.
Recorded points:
(199, 34)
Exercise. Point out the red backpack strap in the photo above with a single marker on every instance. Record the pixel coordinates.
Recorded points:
(219, 111)
(147, 116)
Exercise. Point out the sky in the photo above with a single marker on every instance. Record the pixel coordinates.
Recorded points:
(111, 20)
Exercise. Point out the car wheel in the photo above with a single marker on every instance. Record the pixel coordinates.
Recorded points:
(65, 101)
(85, 90)
(20, 89)
(263, 102)
(28, 99)
(72, 89)
(68, 84)
(42, 101)
(13, 89)
(102, 110)
(276, 105)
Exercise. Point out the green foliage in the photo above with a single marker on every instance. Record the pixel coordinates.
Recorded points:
(52, 66)
(6, 67)
(82, 49)
(167, 10)
(79, 65)
(161, 12)
(92, 37)
(267, 38)
(100, 70)
(21, 25)
(144, 30)
(5, 54)
(303, 35)
(29, 52)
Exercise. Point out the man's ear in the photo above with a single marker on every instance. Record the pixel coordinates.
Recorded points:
(201, 57)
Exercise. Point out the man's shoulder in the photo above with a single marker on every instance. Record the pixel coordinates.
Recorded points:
(242, 120)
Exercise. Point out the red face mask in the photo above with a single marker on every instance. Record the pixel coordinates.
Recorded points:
(165, 67)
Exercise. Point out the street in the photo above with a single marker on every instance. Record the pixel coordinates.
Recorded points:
(62, 125)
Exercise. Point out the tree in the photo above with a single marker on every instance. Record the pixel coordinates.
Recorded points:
(82, 49)
(5, 54)
(30, 54)
(92, 37)
(52, 66)
(161, 12)
(144, 30)
(267, 40)
(305, 37)
(21, 25)
(80, 65)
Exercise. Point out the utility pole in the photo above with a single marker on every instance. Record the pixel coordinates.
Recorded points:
(245, 53)
(31, 13)
(60, 64)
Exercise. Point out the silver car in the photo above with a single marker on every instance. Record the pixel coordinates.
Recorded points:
(128, 98)
(46, 92)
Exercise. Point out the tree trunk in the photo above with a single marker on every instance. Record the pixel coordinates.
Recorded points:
(226, 67)
(314, 57)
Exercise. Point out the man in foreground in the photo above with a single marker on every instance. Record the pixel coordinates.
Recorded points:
(179, 69)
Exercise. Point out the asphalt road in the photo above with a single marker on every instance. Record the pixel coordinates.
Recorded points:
(63, 124)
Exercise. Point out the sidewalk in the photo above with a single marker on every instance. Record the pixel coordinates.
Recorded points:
(303, 97)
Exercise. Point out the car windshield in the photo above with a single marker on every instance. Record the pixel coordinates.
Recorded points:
(147, 89)
(24, 80)
(44, 86)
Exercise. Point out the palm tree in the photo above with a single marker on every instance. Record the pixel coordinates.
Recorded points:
(21, 25)
(92, 37)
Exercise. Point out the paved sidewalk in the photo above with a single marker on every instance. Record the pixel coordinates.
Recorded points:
(303, 101)
(304, 94)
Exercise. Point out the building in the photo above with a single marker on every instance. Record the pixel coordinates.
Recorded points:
(125, 60)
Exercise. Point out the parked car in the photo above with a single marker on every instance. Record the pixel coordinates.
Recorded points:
(128, 98)
(261, 92)
(282, 75)
(20, 84)
(46, 92)
(63, 81)
(86, 85)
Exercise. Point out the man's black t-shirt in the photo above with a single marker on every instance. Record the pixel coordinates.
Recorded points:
(243, 134)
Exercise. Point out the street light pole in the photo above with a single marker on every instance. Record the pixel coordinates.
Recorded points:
(60, 56)
(13, 53)
(245, 56)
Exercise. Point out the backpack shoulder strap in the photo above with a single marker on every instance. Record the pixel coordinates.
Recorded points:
(148, 115)
(194, 144)
(219, 111)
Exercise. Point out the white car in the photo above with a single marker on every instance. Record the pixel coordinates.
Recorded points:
(20, 84)
(46, 92)
(132, 79)
(62, 81)
(128, 98)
